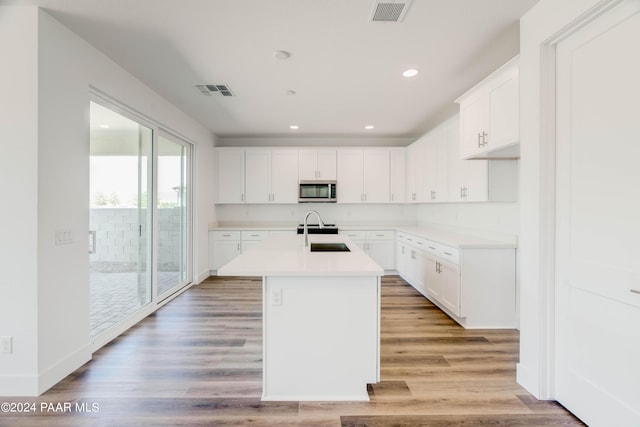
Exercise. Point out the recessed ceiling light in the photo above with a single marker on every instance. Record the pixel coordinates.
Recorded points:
(410, 72)
(104, 126)
(294, 127)
(281, 54)
(369, 127)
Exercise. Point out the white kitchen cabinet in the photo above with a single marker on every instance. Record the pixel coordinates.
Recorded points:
(230, 182)
(380, 245)
(223, 247)
(436, 166)
(416, 172)
(317, 165)
(397, 175)
(271, 176)
(363, 176)
(489, 115)
(480, 180)
(412, 261)
(474, 286)
(450, 279)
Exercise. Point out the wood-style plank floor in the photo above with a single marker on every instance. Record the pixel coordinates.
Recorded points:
(197, 362)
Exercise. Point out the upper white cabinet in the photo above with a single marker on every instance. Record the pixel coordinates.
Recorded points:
(436, 165)
(317, 165)
(230, 185)
(481, 180)
(489, 115)
(416, 172)
(397, 175)
(271, 176)
(363, 176)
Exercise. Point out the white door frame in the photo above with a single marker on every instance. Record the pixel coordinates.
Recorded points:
(547, 206)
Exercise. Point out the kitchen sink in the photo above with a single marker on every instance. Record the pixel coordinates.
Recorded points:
(329, 247)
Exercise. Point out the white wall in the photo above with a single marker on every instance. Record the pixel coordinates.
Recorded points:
(490, 217)
(546, 19)
(19, 192)
(49, 170)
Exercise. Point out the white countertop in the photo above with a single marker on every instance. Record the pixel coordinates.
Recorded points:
(286, 256)
(462, 239)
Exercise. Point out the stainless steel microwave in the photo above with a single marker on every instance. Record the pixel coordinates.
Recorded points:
(317, 192)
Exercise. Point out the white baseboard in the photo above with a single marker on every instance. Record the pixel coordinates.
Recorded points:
(35, 385)
(64, 367)
(202, 277)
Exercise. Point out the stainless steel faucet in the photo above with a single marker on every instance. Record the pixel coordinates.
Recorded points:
(306, 228)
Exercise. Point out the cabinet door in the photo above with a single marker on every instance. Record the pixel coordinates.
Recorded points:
(376, 176)
(442, 166)
(326, 164)
(411, 190)
(433, 279)
(403, 254)
(284, 176)
(223, 252)
(419, 260)
(308, 170)
(430, 166)
(457, 173)
(504, 120)
(397, 175)
(474, 121)
(258, 176)
(350, 176)
(450, 295)
(230, 183)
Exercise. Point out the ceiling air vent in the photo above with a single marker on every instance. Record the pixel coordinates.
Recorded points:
(389, 10)
(209, 89)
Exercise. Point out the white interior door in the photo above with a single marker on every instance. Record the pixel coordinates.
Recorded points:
(597, 337)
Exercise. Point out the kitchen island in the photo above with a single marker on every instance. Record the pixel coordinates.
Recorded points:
(321, 318)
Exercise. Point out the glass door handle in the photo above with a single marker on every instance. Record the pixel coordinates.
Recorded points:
(92, 246)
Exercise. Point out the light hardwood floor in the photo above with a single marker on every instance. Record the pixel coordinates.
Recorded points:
(197, 362)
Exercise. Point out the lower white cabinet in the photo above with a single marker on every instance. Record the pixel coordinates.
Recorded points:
(223, 247)
(475, 287)
(228, 244)
(378, 244)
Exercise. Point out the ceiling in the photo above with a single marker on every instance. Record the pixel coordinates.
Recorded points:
(345, 70)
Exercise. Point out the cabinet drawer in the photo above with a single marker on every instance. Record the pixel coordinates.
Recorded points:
(354, 234)
(445, 252)
(380, 235)
(226, 235)
(254, 234)
(449, 253)
(419, 243)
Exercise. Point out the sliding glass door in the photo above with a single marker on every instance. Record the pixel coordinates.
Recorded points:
(139, 237)
(119, 218)
(172, 214)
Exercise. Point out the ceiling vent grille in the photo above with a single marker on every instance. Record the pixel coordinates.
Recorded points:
(209, 89)
(389, 10)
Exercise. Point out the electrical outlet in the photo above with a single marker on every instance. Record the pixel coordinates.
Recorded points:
(276, 297)
(6, 345)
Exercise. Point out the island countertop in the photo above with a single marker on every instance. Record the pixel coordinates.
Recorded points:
(287, 256)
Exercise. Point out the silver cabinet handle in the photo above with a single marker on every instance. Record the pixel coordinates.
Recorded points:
(242, 197)
(448, 253)
(226, 235)
(432, 248)
(485, 138)
(92, 248)
(635, 291)
(479, 140)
